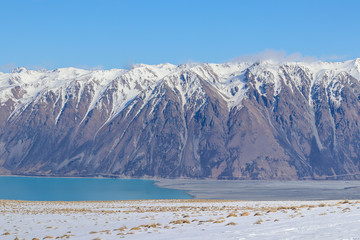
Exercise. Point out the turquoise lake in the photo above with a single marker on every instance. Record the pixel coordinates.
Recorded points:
(83, 189)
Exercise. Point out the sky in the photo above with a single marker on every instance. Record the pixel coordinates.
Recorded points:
(104, 34)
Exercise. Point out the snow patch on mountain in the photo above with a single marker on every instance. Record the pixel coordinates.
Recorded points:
(228, 78)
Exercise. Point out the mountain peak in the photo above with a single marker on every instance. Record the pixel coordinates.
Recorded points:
(20, 70)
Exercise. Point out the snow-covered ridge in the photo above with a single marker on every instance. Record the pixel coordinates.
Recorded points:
(228, 78)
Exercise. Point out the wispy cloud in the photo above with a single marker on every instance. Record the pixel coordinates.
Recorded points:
(7, 67)
(97, 67)
(275, 56)
(92, 68)
(42, 66)
(335, 57)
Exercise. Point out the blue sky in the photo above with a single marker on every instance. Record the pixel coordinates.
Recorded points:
(116, 34)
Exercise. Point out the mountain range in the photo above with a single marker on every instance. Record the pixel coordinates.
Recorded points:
(237, 120)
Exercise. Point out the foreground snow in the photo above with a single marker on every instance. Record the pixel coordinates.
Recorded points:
(180, 219)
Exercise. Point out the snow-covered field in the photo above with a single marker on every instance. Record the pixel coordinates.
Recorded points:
(180, 219)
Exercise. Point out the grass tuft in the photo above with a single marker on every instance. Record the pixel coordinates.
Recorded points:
(245, 214)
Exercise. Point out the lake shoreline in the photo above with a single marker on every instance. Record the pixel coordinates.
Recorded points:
(255, 190)
(108, 176)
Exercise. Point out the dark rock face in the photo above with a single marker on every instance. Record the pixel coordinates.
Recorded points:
(239, 121)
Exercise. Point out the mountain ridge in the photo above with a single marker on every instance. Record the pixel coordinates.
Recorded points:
(239, 120)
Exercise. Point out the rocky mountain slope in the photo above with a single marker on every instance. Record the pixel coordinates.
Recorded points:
(260, 120)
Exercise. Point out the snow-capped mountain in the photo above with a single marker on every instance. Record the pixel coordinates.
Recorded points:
(263, 120)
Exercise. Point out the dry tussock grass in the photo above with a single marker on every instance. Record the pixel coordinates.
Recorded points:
(143, 206)
(346, 210)
(287, 208)
(232, 215)
(67, 236)
(180, 221)
(219, 221)
(153, 225)
(231, 224)
(121, 229)
(204, 221)
(270, 211)
(135, 229)
(245, 214)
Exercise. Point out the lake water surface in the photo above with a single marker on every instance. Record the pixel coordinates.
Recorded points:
(102, 189)
(83, 189)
